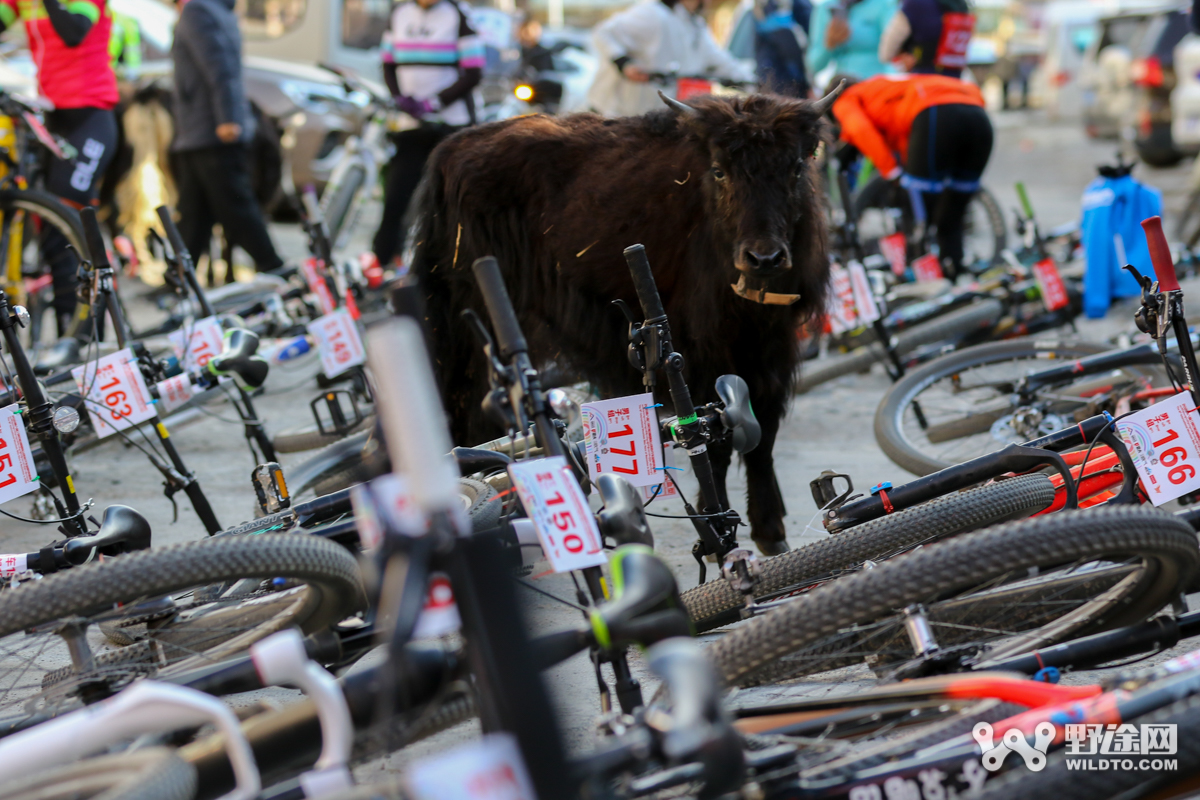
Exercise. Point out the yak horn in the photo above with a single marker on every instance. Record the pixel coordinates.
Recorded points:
(825, 102)
(678, 107)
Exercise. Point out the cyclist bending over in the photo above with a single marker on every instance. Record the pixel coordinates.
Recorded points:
(930, 134)
(69, 45)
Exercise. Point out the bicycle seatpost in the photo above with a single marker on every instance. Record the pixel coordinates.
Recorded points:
(183, 259)
(40, 412)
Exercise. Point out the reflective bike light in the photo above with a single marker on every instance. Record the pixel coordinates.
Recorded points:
(22, 314)
(66, 419)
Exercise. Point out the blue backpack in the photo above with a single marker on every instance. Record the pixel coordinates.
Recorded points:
(1113, 209)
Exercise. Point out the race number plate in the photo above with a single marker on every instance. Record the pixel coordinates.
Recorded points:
(927, 269)
(560, 513)
(622, 436)
(1054, 291)
(864, 299)
(174, 393)
(895, 250)
(489, 768)
(18, 474)
(115, 392)
(440, 614)
(314, 277)
(338, 342)
(204, 339)
(692, 87)
(1164, 441)
(840, 311)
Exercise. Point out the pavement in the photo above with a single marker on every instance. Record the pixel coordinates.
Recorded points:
(827, 429)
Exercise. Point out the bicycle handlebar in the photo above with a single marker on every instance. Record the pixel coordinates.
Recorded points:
(500, 307)
(184, 258)
(1160, 255)
(412, 415)
(644, 285)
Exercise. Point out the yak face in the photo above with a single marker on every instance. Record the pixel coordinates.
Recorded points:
(758, 186)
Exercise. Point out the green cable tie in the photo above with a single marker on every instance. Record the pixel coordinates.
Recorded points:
(688, 420)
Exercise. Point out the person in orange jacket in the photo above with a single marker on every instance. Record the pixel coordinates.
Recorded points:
(930, 134)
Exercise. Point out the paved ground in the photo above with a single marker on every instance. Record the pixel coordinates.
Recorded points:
(830, 428)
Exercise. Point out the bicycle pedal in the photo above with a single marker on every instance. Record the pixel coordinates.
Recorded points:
(270, 488)
(340, 420)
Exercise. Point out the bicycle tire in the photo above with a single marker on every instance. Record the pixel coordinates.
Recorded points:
(51, 210)
(996, 222)
(188, 598)
(310, 437)
(890, 414)
(716, 603)
(1167, 546)
(481, 504)
(337, 210)
(153, 773)
(957, 323)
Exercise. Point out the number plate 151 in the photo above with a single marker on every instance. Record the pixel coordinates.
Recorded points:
(1164, 441)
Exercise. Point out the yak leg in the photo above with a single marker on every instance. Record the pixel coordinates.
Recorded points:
(764, 501)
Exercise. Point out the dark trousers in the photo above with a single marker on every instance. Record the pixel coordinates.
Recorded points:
(93, 133)
(950, 144)
(214, 187)
(404, 174)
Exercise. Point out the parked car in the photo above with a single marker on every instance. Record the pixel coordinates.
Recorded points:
(1185, 98)
(1068, 29)
(1152, 72)
(1105, 75)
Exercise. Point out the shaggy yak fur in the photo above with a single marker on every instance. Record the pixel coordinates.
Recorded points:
(557, 200)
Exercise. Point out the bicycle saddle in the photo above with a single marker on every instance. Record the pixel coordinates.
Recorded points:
(645, 609)
(239, 360)
(738, 416)
(471, 460)
(623, 518)
(123, 530)
(700, 730)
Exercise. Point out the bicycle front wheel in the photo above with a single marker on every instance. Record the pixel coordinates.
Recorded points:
(89, 631)
(961, 406)
(1030, 584)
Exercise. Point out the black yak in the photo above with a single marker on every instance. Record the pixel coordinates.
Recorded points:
(722, 193)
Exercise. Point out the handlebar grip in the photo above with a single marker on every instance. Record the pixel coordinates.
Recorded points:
(499, 306)
(97, 254)
(643, 282)
(1160, 255)
(1023, 196)
(414, 422)
(173, 234)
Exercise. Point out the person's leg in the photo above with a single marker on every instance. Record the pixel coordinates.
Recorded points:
(93, 132)
(404, 174)
(234, 205)
(967, 131)
(195, 219)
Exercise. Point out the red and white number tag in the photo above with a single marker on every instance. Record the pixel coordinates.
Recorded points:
(18, 474)
(338, 342)
(489, 768)
(560, 513)
(115, 392)
(1054, 291)
(174, 393)
(440, 614)
(927, 268)
(841, 312)
(1164, 441)
(315, 278)
(386, 503)
(13, 564)
(895, 250)
(864, 299)
(692, 87)
(622, 436)
(205, 338)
